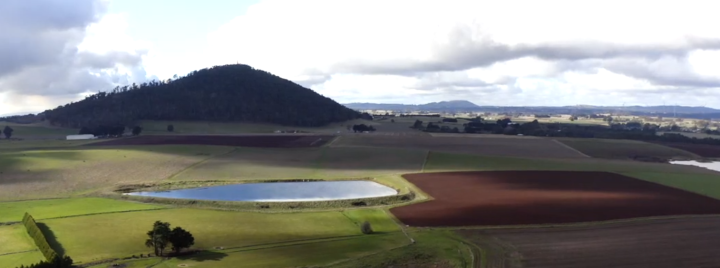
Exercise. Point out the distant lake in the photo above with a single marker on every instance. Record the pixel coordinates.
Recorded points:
(709, 165)
(280, 191)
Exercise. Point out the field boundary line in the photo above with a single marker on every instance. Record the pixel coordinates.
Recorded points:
(639, 220)
(427, 156)
(171, 177)
(399, 224)
(18, 252)
(332, 141)
(571, 148)
(89, 214)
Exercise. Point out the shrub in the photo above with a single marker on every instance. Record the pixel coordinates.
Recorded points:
(170, 128)
(365, 228)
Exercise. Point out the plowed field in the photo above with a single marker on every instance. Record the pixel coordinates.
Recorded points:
(543, 197)
(275, 141)
(672, 243)
(698, 149)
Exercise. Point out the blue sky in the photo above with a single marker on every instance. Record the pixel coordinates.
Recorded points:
(511, 53)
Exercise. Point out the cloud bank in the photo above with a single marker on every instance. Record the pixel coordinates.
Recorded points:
(54, 51)
(489, 52)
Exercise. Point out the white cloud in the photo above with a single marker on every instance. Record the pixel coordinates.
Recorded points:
(526, 50)
(60, 52)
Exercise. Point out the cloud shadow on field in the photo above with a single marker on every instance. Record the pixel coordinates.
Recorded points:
(52, 239)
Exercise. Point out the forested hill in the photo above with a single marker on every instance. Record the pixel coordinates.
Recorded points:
(222, 93)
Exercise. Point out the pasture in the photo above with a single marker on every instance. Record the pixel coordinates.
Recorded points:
(57, 208)
(118, 235)
(309, 163)
(16, 246)
(709, 151)
(667, 243)
(489, 145)
(33, 174)
(625, 149)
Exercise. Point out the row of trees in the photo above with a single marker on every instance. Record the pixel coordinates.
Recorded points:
(630, 130)
(222, 93)
(362, 128)
(52, 259)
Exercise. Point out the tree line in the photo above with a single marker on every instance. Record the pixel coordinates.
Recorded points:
(222, 93)
(629, 130)
(52, 259)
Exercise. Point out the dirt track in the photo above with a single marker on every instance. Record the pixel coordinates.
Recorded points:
(672, 243)
(543, 197)
(267, 141)
(698, 149)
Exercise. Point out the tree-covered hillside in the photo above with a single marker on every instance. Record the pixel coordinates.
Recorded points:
(222, 93)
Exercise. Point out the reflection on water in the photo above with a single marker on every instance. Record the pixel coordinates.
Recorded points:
(709, 165)
(280, 191)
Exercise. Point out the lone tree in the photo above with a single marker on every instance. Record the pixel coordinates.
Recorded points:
(180, 239)
(365, 228)
(8, 131)
(170, 128)
(418, 124)
(136, 130)
(158, 237)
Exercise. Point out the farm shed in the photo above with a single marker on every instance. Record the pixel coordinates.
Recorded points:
(81, 137)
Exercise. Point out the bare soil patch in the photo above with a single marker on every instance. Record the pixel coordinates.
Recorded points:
(686, 242)
(698, 149)
(484, 145)
(268, 141)
(543, 197)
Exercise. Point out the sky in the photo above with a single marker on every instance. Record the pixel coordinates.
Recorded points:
(500, 53)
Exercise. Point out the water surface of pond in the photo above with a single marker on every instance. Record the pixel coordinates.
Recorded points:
(709, 165)
(280, 191)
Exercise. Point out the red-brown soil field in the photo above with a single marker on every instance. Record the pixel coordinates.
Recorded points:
(667, 243)
(698, 149)
(275, 141)
(543, 197)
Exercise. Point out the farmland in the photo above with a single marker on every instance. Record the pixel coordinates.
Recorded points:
(83, 224)
(683, 242)
(484, 145)
(543, 197)
(626, 149)
(699, 149)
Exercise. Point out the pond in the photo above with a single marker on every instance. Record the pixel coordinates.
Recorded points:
(280, 191)
(709, 165)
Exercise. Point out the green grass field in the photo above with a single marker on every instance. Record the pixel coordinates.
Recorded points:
(17, 259)
(308, 254)
(86, 238)
(55, 208)
(317, 163)
(624, 149)
(14, 238)
(705, 184)
(33, 174)
(16, 246)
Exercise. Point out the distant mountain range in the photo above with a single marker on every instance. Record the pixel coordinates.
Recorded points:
(456, 106)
